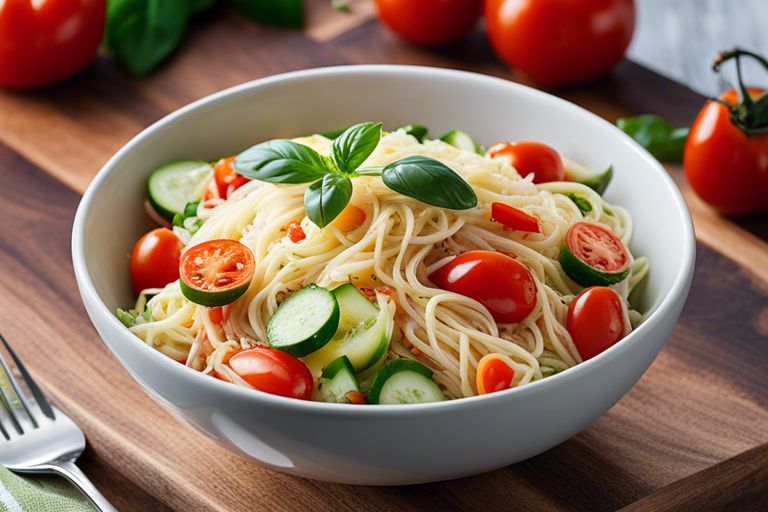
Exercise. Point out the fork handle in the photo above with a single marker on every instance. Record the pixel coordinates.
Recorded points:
(71, 472)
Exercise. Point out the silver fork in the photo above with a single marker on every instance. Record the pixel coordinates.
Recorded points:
(35, 436)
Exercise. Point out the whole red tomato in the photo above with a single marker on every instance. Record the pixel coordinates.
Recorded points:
(595, 320)
(41, 45)
(559, 42)
(726, 154)
(430, 21)
(155, 259)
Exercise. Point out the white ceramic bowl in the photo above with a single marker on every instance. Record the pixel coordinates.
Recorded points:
(384, 444)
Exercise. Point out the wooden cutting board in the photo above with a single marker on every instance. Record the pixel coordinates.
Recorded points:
(693, 434)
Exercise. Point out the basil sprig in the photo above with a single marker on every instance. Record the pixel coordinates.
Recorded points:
(282, 161)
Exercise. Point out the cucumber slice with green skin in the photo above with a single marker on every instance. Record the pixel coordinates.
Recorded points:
(597, 181)
(593, 256)
(418, 131)
(337, 379)
(461, 140)
(171, 187)
(304, 322)
(363, 333)
(404, 381)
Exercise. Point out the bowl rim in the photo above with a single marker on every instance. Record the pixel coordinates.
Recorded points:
(677, 291)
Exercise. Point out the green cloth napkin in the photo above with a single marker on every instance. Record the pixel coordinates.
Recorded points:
(40, 493)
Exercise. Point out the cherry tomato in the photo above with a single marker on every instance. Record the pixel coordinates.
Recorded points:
(496, 281)
(216, 272)
(513, 218)
(227, 180)
(296, 232)
(493, 374)
(430, 21)
(44, 42)
(558, 42)
(595, 320)
(531, 158)
(727, 168)
(155, 259)
(273, 371)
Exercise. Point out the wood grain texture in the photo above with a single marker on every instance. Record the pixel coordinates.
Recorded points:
(703, 401)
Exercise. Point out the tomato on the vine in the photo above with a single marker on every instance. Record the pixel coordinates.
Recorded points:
(558, 42)
(42, 44)
(726, 154)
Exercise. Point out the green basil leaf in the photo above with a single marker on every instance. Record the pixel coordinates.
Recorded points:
(430, 182)
(277, 13)
(660, 138)
(281, 161)
(333, 133)
(326, 198)
(351, 148)
(199, 6)
(143, 33)
(418, 131)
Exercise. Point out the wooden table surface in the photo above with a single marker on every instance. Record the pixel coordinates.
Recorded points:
(693, 434)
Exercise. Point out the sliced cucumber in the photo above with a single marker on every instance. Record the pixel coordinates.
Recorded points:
(304, 322)
(363, 333)
(461, 140)
(337, 379)
(418, 131)
(171, 187)
(597, 181)
(404, 381)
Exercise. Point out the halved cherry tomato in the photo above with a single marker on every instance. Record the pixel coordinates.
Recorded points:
(43, 42)
(493, 374)
(216, 272)
(155, 259)
(560, 41)
(496, 281)
(513, 218)
(296, 232)
(227, 180)
(351, 217)
(595, 320)
(430, 21)
(273, 371)
(531, 158)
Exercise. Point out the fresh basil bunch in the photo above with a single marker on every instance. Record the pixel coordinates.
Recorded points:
(284, 161)
(143, 33)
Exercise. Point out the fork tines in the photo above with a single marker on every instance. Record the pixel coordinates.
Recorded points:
(22, 413)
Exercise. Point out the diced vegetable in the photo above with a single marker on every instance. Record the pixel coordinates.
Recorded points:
(125, 317)
(304, 322)
(350, 218)
(404, 381)
(363, 332)
(418, 131)
(579, 200)
(216, 272)
(494, 374)
(337, 381)
(597, 181)
(593, 255)
(514, 218)
(171, 187)
(461, 140)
